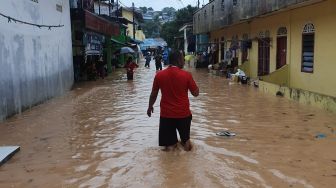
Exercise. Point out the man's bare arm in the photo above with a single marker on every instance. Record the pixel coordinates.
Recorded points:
(152, 100)
(195, 93)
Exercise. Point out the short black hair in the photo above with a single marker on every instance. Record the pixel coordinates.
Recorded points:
(174, 57)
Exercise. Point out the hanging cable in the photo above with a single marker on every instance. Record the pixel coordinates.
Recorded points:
(10, 19)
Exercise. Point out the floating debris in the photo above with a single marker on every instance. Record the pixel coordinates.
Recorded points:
(6, 152)
(226, 133)
(320, 136)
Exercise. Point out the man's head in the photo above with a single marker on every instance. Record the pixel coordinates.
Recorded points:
(176, 58)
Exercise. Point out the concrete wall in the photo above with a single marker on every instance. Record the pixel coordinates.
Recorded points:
(322, 15)
(302, 96)
(317, 88)
(219, 13)
(36, 63)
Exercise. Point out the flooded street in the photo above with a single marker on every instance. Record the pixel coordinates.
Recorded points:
(98, 135)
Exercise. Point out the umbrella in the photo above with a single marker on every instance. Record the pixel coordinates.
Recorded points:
(126, 50)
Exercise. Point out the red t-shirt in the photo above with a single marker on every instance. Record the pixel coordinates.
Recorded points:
(130, 66)
(174, 84)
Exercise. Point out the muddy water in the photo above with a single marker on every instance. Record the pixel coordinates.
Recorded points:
(98, 135)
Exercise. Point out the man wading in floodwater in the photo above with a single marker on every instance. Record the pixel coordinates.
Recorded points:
(175, 113)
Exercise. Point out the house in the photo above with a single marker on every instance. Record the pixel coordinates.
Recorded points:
(133, 28)
(287, 45)
(91, 36)
(188, 38)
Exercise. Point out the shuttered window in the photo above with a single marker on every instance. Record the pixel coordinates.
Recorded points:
(308, 43)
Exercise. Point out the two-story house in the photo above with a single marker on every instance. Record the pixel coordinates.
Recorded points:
(287, 45)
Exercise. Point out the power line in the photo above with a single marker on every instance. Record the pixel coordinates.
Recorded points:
(10, 19)
(122, 3)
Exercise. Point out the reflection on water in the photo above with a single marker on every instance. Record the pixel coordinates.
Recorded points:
(99, 136)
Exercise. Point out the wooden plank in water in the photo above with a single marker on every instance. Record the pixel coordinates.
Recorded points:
(6, 152)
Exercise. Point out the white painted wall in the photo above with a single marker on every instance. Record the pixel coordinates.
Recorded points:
(35, 63)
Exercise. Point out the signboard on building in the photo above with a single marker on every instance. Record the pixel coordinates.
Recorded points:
(93, 43)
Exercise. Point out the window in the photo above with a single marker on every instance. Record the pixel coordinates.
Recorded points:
(281, 52)
(199, 17)
(205, 14)
(213, 10)
(263, 53)
(223, 4)
(234, 2)
(308, 42)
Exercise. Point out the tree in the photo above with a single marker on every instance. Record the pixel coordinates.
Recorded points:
(170, 30)
(143, 9)
(151, 29)
(150, 9)
(169, 10)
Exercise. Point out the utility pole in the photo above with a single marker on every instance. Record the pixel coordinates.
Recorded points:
(98, 6)
(109, 6)
(117, 12)
(133, 21)
(198, 4)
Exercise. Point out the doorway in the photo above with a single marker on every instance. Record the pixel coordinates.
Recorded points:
(281, 52)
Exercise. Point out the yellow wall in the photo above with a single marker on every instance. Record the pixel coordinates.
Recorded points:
(279, 77)
(323, 16)
(272, 24)
(302, 96)
(323, 80)
(139, 35)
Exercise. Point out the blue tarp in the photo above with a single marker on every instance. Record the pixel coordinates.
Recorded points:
(153, 43)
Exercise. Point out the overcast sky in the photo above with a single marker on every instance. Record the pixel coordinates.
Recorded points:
(159, 4)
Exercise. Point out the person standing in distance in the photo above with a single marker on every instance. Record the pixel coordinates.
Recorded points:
(175, 113)
(158, 61)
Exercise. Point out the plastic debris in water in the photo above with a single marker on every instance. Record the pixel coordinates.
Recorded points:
(320, 136)
(226, 133)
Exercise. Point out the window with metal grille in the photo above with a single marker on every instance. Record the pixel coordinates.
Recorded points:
(223, 4)
(308, 43)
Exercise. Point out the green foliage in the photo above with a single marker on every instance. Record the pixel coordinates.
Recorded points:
(171, 29)
(151, 29)
(143, 9)
(169, 10)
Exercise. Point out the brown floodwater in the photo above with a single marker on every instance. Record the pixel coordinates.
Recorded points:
(98, 135)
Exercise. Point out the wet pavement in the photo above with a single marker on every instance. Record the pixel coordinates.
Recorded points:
(98, 135)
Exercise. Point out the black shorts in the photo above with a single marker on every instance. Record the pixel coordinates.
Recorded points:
(168, 127)
(129, 76)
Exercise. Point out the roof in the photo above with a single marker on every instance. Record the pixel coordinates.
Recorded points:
(118, 42)
(116, 19)
(185, 26)
(138, 15)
